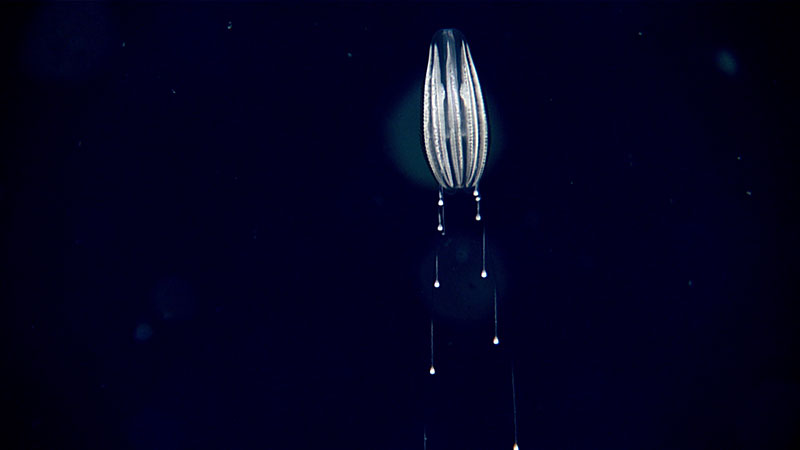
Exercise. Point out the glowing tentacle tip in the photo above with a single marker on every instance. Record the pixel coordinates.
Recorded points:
(496, 341)
(484, 274)
(478, 198)
(478, 217)
(432, 371)
(436, 284)
(475, 192)
(439, 228)
(441, 202)
(516, 447)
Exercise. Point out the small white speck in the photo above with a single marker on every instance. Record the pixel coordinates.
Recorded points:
(739, 158)
(641, 34)
(349, 55)
(172, 90)
(749, 193)
(230, 25)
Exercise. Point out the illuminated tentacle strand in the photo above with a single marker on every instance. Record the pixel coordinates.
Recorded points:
(477, 196)
(441, 211)
(484, 274)
(440, 204)
(514, 403)
(496, 340)
(432, 370)
(436, 283)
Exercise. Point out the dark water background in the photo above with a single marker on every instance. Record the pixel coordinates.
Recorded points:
(212, 236)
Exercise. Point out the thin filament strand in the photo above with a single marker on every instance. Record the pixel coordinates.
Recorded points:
(514, 404)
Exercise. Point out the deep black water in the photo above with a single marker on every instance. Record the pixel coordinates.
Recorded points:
(207, 241)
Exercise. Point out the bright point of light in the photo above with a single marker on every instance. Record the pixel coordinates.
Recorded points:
(440, 227)
(516, 447)
(432, 371)
(495, 341)
(436, 284)
(484, 274)
(478, 198)
(441, 202)
(478, 217)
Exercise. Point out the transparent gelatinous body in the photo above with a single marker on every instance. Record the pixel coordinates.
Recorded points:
(454, 121)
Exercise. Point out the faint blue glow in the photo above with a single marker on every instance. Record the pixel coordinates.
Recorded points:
(174, 298)
(68, 44)
(726, 62)
(143, 332)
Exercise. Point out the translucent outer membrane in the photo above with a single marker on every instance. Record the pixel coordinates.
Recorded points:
(454, 122)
